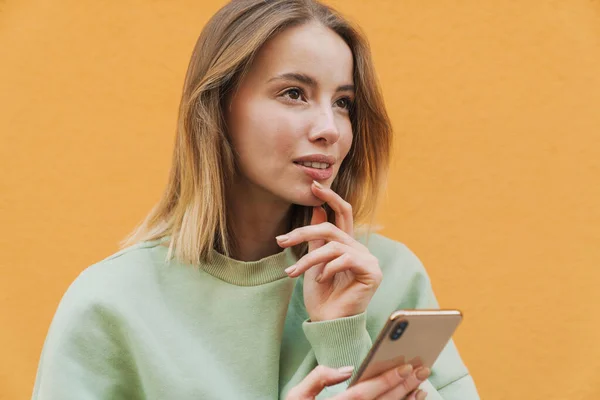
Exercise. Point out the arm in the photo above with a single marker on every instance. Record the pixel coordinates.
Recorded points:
(406, 285)
(84, 355)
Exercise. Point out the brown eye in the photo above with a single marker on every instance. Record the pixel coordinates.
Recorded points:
(344, 102)
(294, 94)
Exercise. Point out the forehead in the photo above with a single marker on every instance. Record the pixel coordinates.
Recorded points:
(311, 49)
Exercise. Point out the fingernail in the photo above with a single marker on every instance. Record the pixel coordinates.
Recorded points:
(346, 370)
(317, 184)
(422, 373)
(282, 238)
(405, 370)
(421, 395)
(291, 269)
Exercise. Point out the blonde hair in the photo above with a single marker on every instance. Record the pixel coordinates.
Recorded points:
(193, 207)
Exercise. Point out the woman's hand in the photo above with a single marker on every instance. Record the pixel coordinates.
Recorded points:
(340, 274)
(396, 384)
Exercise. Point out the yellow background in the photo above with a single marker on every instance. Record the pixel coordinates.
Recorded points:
(495, 184)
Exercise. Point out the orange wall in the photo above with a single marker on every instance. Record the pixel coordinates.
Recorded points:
(496, 181)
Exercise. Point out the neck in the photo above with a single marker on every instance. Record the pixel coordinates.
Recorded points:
(258, 217)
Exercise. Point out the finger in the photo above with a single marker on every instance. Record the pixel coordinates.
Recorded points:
(319, 216)
(334, 258)
(410, 386)
(414, 395)
(317, 380)
(343, 210)
(322, 255)
(365, 268)
(411, 396)
(400, 392)
(375, 387)
(420, 394)
(324, 231)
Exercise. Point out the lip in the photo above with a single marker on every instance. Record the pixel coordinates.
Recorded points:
(322, 158)
(317, 174)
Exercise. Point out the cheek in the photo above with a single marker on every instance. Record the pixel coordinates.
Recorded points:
(249, 128)
(264, 133)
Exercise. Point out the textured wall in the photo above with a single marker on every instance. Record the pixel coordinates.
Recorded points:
(495, 184)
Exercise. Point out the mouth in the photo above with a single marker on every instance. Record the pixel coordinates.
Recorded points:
(316, 170)
(315, 165)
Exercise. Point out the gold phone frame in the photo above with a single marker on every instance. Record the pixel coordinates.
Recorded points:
(431, 332)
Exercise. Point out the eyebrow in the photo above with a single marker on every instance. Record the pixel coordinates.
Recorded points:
(309, 81)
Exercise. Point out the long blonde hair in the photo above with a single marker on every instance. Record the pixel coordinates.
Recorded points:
(192, 209)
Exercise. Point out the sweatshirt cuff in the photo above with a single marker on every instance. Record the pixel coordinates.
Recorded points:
(339, 342)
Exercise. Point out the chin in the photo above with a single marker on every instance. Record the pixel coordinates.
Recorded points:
(314, 203)
(309, 200)
(302, 195)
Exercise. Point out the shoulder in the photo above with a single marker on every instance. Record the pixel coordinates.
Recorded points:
(406, 283)
(123, 276)
(90, 331)
(395, 258)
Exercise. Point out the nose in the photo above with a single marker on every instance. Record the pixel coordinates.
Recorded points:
(324, 127)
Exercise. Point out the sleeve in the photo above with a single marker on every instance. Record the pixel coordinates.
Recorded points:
(338, 343)
(84, 355)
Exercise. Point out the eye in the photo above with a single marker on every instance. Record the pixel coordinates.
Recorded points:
(344, 102)
(293, 94)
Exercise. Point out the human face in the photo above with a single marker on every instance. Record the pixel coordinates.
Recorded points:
(293, 102)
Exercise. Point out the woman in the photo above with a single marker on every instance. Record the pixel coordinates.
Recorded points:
(248, 280)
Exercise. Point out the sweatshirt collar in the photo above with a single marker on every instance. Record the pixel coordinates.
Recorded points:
(246, 273)
(250, 273)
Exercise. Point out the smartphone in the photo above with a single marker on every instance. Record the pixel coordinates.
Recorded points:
(414, 337)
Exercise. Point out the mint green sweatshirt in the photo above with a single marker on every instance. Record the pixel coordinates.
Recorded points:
(134, 327)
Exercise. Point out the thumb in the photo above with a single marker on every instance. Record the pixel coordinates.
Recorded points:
(319, 216)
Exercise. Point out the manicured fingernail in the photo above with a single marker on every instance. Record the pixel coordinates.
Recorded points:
(317, 184)
(422, 373)
(346, 370)
(405, 370)
(421, 395)
(282, 238)
(291, 269)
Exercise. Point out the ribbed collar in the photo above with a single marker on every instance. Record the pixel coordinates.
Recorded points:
(250, 273)
(246, 273)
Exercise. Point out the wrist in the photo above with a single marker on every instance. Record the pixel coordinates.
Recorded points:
(321, 317)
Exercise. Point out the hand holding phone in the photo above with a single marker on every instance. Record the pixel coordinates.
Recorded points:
(415, 337)
(396, 384)
(398, 362)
